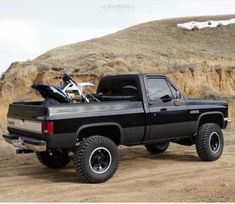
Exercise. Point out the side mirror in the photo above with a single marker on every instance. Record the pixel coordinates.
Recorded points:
(178, 95)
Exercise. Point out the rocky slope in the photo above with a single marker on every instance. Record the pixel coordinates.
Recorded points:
(201, 63)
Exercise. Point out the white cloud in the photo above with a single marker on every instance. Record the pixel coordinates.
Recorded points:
(56, 35)
(18, 41)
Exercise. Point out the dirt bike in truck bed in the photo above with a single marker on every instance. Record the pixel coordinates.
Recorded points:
(133, 109)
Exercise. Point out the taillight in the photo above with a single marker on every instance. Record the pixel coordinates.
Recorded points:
(48, 127)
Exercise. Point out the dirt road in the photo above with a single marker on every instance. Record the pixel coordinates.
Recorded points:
(177, 175)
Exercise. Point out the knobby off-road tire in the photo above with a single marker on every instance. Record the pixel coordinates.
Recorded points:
(50, 101)
(157, 148)
(96, 159)
(54, 158)
(209, 142)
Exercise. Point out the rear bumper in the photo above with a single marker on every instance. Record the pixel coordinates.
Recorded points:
(25, 143)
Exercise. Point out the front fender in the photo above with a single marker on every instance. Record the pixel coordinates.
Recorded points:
(213, 113)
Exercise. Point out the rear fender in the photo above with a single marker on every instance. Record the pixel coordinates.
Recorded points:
(100, 125)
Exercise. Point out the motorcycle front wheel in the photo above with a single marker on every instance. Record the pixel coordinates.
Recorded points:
(50, 101)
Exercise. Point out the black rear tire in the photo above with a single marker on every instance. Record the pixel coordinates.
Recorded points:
(157, 148)
(54, 158)
(96, 159)
(209, 142)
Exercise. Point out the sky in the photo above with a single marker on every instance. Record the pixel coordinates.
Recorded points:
(28, 28)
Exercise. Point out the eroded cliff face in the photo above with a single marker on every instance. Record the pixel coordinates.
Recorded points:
(197, 81)
(201, 80)
(16, 85)
(205, 81)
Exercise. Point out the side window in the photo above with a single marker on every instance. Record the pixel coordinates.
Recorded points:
(158, 90)
(173, 90)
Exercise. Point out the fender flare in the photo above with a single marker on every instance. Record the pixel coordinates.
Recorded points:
(91, 125)
(210, 113)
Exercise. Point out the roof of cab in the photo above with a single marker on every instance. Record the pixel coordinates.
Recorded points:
(133, 74)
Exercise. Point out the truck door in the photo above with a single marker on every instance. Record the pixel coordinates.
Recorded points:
(167, 110)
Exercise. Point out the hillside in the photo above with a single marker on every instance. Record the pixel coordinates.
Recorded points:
(201, 63)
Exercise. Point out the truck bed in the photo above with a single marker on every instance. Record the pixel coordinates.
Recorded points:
(26, 118)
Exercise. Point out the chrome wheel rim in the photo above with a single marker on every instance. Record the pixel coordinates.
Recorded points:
(100, 160)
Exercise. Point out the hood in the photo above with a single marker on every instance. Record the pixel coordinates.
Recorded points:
(206, 102)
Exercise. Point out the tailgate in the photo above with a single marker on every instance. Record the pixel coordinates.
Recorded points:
(26, 119)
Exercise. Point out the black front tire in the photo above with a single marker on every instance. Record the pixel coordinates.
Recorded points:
(96, 159)
(209, 142)
(157, 148)
(54, 158)
(50, 101)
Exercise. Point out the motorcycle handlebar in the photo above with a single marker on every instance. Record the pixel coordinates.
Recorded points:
(66, 77)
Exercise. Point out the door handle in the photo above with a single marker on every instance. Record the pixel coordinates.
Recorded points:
(161, 110)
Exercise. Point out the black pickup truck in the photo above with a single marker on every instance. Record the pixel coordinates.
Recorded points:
(133, 109)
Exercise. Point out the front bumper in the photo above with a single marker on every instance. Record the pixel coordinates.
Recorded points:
(227, 123)
(25, 143)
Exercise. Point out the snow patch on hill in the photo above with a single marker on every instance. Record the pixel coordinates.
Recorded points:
(192, 25)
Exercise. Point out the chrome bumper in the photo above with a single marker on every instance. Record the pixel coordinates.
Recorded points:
(227, 123)
(25, 143)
